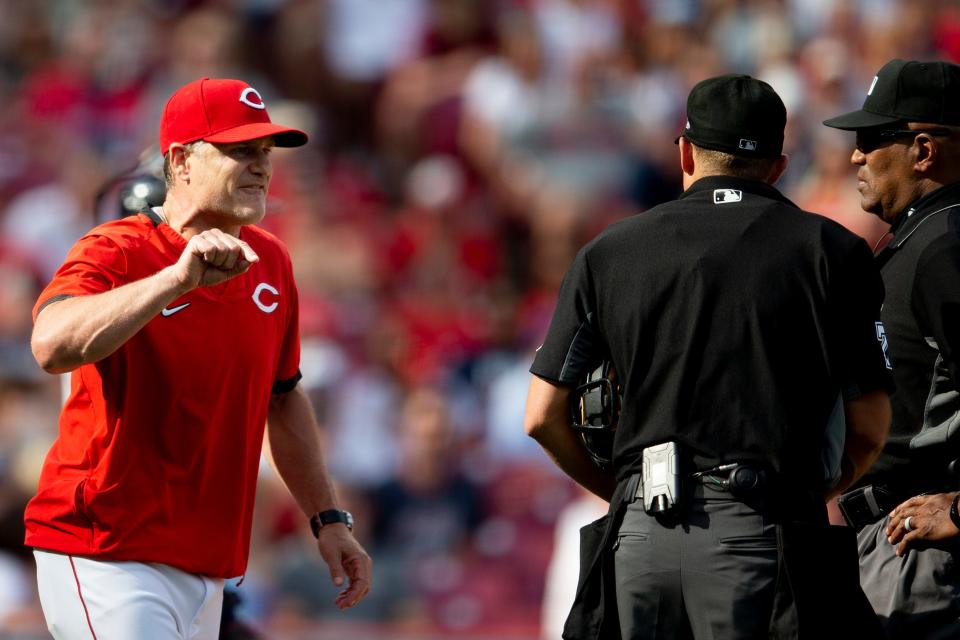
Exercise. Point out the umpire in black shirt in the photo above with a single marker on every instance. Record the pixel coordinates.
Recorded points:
(742, 328)
(907, 155)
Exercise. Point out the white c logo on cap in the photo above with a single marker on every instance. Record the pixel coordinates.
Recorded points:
(266, 308)
(245, 98)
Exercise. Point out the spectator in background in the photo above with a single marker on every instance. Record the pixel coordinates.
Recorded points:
(205, 41)
(336, 54)
(424, 517)
(91, 88)
(364, 405)
(535, 130)
(420, 109)
(45, 220)
(428, 508)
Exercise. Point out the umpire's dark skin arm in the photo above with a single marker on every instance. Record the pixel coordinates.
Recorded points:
(547, 420)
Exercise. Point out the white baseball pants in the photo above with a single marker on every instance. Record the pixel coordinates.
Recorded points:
(102, 600)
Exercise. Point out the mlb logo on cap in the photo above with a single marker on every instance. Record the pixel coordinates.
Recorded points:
(748, 145)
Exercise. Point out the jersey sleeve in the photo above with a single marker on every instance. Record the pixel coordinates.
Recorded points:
(288, 366)
(573, 341)
(95, 264)
(936, 301)
(862, 342)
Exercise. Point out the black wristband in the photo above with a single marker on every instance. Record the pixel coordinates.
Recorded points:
(330, 516)
(954, 514)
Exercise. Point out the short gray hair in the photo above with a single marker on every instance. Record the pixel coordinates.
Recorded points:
(168, 170)
(728, 164)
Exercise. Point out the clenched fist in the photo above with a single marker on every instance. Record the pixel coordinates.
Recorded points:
(213, 257)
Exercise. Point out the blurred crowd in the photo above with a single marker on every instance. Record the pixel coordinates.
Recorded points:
(461, 152)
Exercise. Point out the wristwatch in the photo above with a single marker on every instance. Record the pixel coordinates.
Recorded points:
(330, 516)
(954, 515)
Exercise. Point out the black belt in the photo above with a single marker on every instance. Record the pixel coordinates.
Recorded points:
(737, 479)
(750, 483)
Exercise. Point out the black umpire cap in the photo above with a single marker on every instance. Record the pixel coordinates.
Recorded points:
(907, 91)
(736, 114)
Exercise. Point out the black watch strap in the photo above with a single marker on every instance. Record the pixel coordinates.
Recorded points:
(330, 516)
(954, 514)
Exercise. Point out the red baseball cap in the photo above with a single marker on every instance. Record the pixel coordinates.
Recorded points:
(220, 110)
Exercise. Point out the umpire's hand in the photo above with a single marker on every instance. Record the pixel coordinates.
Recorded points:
(929, 521)
(212, 257)
(346, 560)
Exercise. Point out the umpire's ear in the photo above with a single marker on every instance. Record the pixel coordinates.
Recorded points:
(778, 168)
(687, 164)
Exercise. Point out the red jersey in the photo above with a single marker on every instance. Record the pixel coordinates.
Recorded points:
(159, 443)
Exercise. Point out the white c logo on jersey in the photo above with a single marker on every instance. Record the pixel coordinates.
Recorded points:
(266, 308)
(245, 98)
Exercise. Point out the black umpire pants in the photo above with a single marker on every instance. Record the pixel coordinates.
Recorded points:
(710, 573)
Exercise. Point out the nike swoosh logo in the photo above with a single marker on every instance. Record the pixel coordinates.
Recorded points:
(166, 313)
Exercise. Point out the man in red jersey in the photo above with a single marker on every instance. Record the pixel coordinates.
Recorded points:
(180, 328)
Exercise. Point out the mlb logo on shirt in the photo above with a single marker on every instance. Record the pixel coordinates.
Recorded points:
(748, 145)
(722, 196)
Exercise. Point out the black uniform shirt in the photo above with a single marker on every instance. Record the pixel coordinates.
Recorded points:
(921, 272)
(735, 320)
